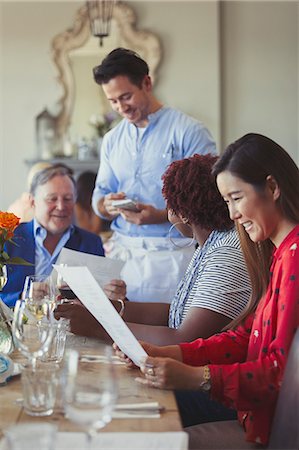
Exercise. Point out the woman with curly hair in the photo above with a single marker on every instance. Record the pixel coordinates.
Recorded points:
(215, 287)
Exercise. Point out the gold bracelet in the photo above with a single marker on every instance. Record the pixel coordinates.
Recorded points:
(205, 385)
(122, 309)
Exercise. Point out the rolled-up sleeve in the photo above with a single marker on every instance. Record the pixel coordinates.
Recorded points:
(106, 181)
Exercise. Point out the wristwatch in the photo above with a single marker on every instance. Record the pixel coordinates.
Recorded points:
(205, 385)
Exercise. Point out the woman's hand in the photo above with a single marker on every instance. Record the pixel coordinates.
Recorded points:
(167, 373)
(150, 349)
(116, 289)
(82, 321)
(124, 358)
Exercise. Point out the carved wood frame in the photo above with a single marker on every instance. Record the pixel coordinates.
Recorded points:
(77, 36)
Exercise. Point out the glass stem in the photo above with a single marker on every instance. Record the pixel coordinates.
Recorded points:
(90, 434)
(33, 362)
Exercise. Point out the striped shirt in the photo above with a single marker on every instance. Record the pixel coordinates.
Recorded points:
(221, 282)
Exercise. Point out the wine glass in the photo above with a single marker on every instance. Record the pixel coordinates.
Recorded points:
(90, 397)
(38, 291)
(26, 330)
(64, 291)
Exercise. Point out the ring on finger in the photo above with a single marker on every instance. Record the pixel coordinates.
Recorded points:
(150, 371)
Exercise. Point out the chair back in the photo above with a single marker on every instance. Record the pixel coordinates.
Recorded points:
(285, 427)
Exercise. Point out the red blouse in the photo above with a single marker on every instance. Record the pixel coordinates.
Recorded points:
(247, 364)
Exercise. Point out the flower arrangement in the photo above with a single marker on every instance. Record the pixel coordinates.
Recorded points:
(104, 122)
(8, 224)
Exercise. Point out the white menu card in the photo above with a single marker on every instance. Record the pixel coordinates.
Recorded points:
(103, 269)
(84, 285)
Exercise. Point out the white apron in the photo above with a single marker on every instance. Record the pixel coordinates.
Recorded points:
(153, 266)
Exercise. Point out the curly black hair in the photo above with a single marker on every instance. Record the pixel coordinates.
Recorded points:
(190, 190)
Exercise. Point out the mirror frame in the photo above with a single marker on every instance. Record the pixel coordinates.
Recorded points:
(76, 37)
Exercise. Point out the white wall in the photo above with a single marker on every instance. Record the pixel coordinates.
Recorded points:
(189, 76)
(256, 86)
(28, 82)
(260, 71)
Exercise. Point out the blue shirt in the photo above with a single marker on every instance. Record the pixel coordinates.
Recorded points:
(134, 162)
(44, 259)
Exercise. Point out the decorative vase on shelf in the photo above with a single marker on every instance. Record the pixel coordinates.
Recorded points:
(6, 339)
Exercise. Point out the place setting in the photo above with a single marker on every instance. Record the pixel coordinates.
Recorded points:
(61, 381)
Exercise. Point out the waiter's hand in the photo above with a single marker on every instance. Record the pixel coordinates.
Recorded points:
(111, 211)
(147, 214)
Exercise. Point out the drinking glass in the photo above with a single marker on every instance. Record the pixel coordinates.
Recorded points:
(65, 292)
(90, 397)
(39, 386)
(57, 345)
(26, 333)
(39, 290)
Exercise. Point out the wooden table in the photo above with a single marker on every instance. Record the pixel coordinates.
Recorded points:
(130, 391)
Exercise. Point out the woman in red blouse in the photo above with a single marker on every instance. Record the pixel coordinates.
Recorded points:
(243, 367)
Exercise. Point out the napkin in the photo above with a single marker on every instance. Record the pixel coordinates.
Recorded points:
(117, 441)
(137, 411)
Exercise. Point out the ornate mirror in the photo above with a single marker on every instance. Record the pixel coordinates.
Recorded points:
(75, 52)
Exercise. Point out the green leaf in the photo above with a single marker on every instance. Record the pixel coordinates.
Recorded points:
(17, 260)
(13, 242)
(5, 256)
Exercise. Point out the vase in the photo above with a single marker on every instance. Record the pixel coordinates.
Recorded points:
(6, 340)
(3, 277)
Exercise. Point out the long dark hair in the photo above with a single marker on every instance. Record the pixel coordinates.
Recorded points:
(252, 158)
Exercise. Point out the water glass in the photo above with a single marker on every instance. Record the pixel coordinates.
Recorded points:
(57, 346)
(26, 436)
(89, 399)
(39, 384)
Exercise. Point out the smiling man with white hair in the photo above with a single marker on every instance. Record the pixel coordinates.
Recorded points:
(53, 196)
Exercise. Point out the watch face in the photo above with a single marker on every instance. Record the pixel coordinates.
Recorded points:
(205, 386)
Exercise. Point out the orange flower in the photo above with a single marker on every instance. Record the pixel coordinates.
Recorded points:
(8, 222)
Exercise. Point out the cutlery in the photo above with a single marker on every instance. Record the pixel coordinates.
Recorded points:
(151, 407)
(99, 359)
